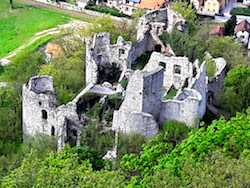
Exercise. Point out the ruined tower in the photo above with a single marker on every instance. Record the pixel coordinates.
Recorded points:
(39, 103)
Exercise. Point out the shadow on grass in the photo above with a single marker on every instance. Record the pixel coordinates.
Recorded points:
(20, 6)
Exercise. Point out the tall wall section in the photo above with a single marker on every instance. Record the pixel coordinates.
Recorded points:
(39, 103)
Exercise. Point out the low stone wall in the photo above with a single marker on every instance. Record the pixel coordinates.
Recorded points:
(135, 122)
(184, 108)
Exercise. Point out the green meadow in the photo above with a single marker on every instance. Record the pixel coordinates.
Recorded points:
(17, 26)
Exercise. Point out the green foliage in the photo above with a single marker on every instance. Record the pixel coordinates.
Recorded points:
(236, 95)
(230, 25)
(240, 11)
(63, 169)
(154, 150)
(188, 12)
(106, 10)
(219, 153)
(185, 45)
(217, 170)
(130, 144)
(25, 67)
(210, 67)
(68, 74)
(87, 153)
(171, 93)
(25, 64)
(141, 61)
(96, 138)
(106, 24)
(230, 136)
(10, 116)
(17, 25)
(227, 48)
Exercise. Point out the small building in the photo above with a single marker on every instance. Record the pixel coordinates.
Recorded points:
(217, 31)
(209, 7)
(246, 2)
(129, 6)
(242, 32)
(152, 4)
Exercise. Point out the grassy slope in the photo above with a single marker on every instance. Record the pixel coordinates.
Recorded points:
(19, 25)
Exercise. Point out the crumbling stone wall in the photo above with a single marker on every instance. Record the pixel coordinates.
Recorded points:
(176, 69)
(42, 116)
(135, 122)
(215, 84)
(69, 129)
(100, 52)
(189, 105)
(158, 21)
(199, 83)
(140, 108)
(183, 108)
(39, 102)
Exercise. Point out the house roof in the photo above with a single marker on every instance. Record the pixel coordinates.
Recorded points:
(151, 4)
(244, 25)
(217, 30)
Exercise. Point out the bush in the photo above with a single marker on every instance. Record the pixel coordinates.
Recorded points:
(185, 45)
(106, 10)
(68, 74)
(211, 68)
(236, 95)
(240, 11)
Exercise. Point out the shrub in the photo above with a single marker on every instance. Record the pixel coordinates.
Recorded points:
(240, 11)
(211, 67)
(106, 10)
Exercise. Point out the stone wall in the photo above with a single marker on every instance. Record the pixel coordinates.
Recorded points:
(176, 69)
(216, 83)
(199, 83)
(42, 116)
(159, 21)
(141, 106)
(183, 108)
(39, 103)
(100, 52)
(135, 122)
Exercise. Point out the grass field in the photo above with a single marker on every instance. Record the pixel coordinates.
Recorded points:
(19, 25)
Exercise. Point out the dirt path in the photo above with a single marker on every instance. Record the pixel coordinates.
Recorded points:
(72, 24)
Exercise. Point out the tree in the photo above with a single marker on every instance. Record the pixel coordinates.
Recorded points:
(236, 95)
(230, 25)
(184, 44)
(188, 12)
(106, 24)
(227, 48)
(11, 4)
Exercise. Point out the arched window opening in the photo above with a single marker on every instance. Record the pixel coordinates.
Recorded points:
(44, 115)
(52, 131)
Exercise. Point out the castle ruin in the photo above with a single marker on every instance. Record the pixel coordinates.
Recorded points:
(146, 104)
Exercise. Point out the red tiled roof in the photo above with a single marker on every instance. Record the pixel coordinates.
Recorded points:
(151, 4)
(217, 30)
(242, 26)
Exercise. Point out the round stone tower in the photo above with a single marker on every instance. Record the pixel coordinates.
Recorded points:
(39, 103)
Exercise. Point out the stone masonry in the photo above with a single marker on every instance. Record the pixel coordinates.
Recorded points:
(144, 107)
